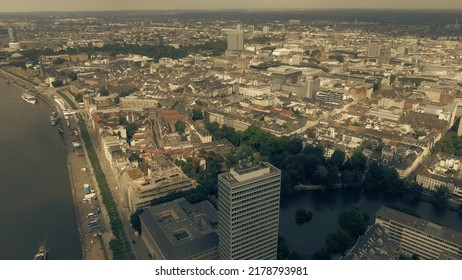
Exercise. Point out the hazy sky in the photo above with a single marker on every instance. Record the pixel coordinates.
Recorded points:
(79, 5)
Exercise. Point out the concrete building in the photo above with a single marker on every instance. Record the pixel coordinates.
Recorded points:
(235, 40)
(373, 50)
(139, 104)
(160, 181)
(284, 76)
(422, 238)
(375, 244)
(384, 54)
(179, 230)
(248, 199)
(12, 36)
(431, 180)
(325, 95)
(253, 91)
(313, 83)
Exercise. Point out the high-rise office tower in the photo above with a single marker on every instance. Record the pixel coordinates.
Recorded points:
(12, 36)
(266, 29)
(248, 211)
(384, 54)
(313, 84)
(235, 40)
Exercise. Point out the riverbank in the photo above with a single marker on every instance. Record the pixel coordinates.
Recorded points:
(92, 244)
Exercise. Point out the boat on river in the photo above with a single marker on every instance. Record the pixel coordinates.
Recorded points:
(41, 254)
(29, 98)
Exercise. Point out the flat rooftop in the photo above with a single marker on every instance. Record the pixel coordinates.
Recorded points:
(181, 229)
(246, 170)
(247, 167)
(430, 228)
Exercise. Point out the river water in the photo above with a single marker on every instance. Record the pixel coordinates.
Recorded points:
(327, 207)
(36, 204)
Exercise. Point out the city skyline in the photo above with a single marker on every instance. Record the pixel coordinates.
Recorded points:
(87, 5)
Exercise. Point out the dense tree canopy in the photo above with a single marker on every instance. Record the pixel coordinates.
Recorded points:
(197, 115)
(451, 144)
(383, 178)
(440, 198)
(338, 241)
(180, 127)
(354, 221)
(223, 132)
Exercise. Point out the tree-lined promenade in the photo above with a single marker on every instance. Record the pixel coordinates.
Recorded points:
(120, 245)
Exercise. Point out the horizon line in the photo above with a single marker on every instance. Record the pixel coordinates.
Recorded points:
(241, 10)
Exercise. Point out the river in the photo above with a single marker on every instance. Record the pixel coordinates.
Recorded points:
(36, 204)
(327, 207)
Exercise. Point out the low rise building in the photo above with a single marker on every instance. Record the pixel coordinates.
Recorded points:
(420, 237)
(375, 244)
(163, 179)
(179, 230)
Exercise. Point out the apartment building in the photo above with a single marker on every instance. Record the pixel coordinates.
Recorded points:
(419, 237)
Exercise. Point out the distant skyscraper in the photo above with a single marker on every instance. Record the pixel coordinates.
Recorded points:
(313, 84)
(251, 29)
(373, 50)
(248, 211)
(384, 54)
(266, 29)
(12, 36)
(235, 40)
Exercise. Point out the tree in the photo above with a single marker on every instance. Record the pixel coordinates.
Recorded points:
(451, 144)
(212, 127)
(73, 76)
(197, 115)
(320, 175)
(57, 83)
(357, 162)
(104, 92)
(352, 179)
(78, 97)
(303, 215)
(413, 191)
(333, 176)
(134, 157)
(58, 61)
(337, 158)
(383, 178)
(338, 241)
(354, 221)
(295, 146)
(131, 129)
(180, 127)
(440, 198)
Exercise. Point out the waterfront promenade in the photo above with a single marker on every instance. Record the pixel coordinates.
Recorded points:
(95, 244)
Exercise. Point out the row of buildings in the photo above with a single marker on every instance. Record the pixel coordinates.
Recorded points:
(396, 234)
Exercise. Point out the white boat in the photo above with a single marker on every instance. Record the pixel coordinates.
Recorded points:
(29, 98)
(41, 254)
